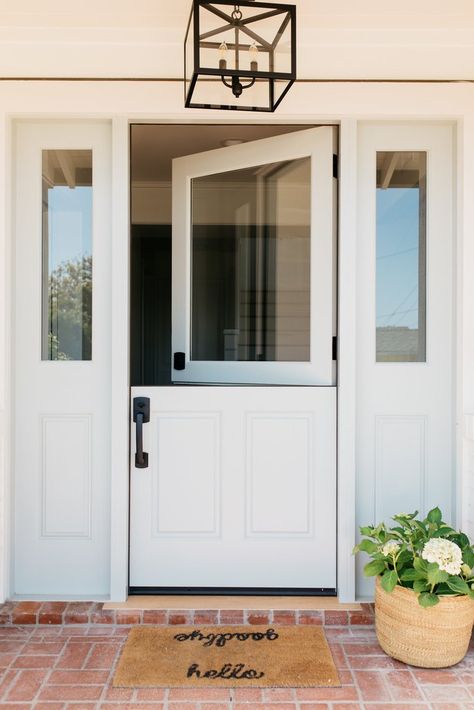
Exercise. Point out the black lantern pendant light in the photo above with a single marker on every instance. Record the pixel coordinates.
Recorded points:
(239, 55)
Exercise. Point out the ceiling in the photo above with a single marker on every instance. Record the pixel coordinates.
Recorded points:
(154, 146)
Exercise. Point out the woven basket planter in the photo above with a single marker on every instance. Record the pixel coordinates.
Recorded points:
(436, 637)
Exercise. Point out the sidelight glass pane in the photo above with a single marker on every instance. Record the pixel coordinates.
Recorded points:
(251, 264)
(401, 257)
(67, 255)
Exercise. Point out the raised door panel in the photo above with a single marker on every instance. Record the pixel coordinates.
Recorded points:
(66, 476)
(280, 467)
(185, 459)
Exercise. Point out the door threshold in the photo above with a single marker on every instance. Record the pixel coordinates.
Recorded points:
(255, 603)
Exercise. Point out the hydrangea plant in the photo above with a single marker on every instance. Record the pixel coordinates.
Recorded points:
(427, 556)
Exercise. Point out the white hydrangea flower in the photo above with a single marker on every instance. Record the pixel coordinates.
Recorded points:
(445, 553)
(390, 548)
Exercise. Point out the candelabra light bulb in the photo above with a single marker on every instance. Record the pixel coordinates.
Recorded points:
(253, 54)
(223, 51)
(222, 56)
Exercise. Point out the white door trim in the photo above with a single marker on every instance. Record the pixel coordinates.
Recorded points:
(6, 362)
(346, 396)
(120, 371)
(346, 366)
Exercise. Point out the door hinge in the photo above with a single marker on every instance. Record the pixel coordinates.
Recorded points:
(335, 166)
(334, 347)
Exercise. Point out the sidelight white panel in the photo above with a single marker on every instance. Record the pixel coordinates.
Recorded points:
(61, 486)
(405, 435)
(185, 497)
(279, 470)
(400, 459)
(66, 476)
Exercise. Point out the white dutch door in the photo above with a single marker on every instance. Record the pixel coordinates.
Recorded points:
(233, 470)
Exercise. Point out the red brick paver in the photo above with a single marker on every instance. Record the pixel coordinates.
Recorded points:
(71, 666)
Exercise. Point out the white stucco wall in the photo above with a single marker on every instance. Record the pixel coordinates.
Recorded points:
(435, 42)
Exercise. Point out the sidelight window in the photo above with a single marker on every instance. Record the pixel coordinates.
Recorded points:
(67, 255)
(401, 257)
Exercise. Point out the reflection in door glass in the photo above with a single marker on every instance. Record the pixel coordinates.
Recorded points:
(67, 255)
(401, 257)
(251, 264)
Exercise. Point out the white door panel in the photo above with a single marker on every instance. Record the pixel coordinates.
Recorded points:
(62, 402)
(240, 489)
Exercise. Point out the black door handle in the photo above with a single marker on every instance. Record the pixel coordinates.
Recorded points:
(141, 415)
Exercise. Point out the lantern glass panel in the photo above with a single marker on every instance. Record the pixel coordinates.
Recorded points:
(209, 91)
(280, 86)
(282, 53)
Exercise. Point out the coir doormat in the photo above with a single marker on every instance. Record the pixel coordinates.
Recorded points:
(226, 657)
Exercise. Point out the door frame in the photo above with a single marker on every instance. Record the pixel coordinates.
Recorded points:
(344, 105)
(345, 380)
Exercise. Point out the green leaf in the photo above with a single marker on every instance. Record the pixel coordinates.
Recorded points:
(374, 568)
(420, 526)
(366, 531)
(443, 588)
(444, 531)
(404, 557)
(427, 599)
(458, 585)
(435, 516)
(389, 580)
(420, 564)
(468, 556)
(421, 585)
(409, 575)
(435, 574)
(367, 546)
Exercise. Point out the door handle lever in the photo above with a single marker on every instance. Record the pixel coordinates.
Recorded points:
(141, 416)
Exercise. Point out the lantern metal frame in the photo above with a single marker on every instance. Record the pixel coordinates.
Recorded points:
(238, 80)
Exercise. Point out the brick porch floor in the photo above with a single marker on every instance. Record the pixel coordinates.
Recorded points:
(47, 665)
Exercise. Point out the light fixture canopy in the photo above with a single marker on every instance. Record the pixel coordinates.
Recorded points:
(239, 55)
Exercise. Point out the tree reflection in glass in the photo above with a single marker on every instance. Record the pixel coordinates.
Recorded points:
(67, 255)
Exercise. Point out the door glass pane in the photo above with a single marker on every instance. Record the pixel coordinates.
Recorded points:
(251, 264)
(67, 255)
(401, 257)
